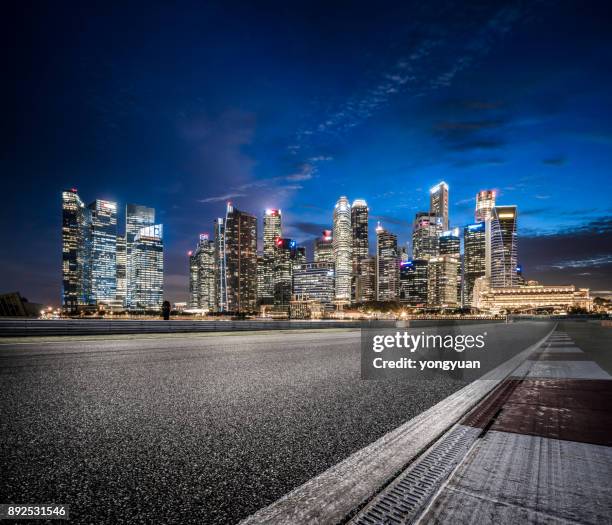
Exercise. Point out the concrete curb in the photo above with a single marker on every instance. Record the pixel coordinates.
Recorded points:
(334, 494)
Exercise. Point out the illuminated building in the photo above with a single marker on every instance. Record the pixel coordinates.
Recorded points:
(148, 269)
(272, 230)
(137, 217)
(75, 229)
(314, 282)
(220, 266)
(413, 282)
(324, 248)
(361, 279)
(442, 281)
(240, 260)
(503, 246)
(193, 280)
(425, 232)
(485, 202)
(121, 270)
(284, 258)
(532, 298)
(449, 243)
(342, 241)
(387, 267)
(474, 258)
(202, 282)
(103, 255)
(438, 203)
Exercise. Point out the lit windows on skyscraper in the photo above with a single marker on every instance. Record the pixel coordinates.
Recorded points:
(272, 230)
(438, 202)
(360, 246)
(425, 232)
(103, 235)
(285, 256)
(121, 270)
(220, 266)
(442, 281)
(314, 281)
(148, 269)
(137, 217)
(449, 243)
(485, 202)
(474, 259)
(387, 267)
(413, 282)
(503, 246)
(342, 245)
(202, 283)
(240, 260)
(323, 248)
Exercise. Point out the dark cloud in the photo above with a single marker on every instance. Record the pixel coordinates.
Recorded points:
(310, 228)
(565, 257)
(389, 220)
(473, 163)
(555, 161)
(478, 145)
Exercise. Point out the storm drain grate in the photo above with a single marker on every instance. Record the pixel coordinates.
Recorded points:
(402, 501)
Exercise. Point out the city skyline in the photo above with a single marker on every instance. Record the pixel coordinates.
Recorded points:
(438, 97)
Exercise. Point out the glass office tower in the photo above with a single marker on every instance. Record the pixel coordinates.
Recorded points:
(474, 259)
(272, 230)
(503, 241)
(387, 265)
(137, 217)
(438, 203)
(103, 238)
(148, 268)
(342, 245)
(240, 260)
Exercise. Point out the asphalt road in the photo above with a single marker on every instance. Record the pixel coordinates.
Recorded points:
(188, 429)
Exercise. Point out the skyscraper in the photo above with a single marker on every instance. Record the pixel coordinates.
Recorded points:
(485, 202)
(324, 248)
(121, 270)
(474, 259)
(240, 260)
(442, 281)
(449, 244)
(425, 232)
(136, 218)
(387, 267)
(74, 251)
(503, 246)
(148, 269)
(103, 256)
(360, 252)
(220, 266)
(272, 230)
(413, 282)
(342, 240)
(438, 202)
(284, 259)
(202, 282)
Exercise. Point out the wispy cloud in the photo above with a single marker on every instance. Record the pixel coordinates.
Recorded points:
(219, 198)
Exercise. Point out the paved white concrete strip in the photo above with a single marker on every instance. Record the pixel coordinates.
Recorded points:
(561, 350)
(561, 370)
(515, 478)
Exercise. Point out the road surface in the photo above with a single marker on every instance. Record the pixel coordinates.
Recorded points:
(188, 429)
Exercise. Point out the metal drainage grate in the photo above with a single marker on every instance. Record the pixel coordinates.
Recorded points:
(402, 501)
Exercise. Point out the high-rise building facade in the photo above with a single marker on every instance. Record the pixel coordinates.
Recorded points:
(324, 248)
(75, 228)
(449, 243)
(503, 241)
(121, 270)
(137, 217)
(474, 259)
(442, 281)
(425, 232)
(314, 282)
(103, 255)
(413, 282)
(148, 269)
(240, 260)
(387, 267)
(485, 202)
(284, 260)
(272, 230)
(361, 280)
(438, 203)
(220, 266)
(342, 244)
(203, 281)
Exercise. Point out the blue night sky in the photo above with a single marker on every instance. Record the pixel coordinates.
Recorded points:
(291, 105)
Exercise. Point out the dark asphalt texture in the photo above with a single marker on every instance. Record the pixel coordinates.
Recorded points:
(197, 429)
